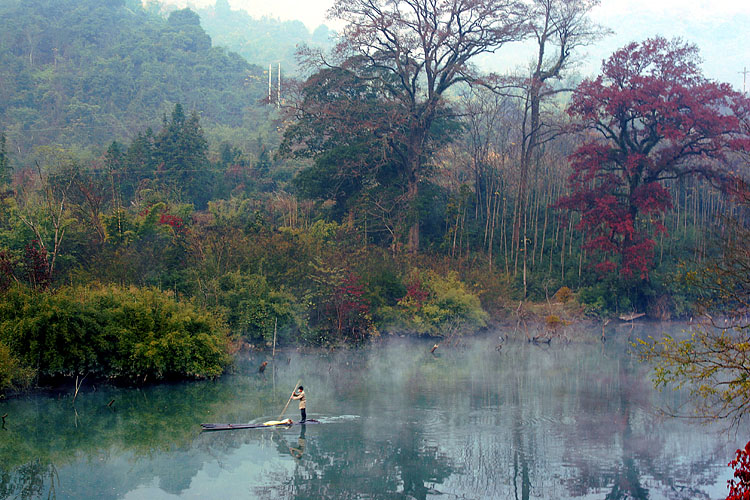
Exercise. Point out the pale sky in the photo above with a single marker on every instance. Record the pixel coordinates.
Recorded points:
(720, 28)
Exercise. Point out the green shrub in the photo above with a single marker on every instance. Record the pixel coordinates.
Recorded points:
(112, 332)
(157, 337)
(12, 374)
(384, 288)
(254, 310)
(435, 305)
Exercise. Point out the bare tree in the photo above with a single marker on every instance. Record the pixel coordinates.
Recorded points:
(43, 208)
(490, 140)
(416, 50)
(558, 27)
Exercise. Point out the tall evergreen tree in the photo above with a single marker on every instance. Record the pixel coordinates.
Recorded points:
(181, 155)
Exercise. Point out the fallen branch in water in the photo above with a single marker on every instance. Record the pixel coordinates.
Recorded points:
(78, 387)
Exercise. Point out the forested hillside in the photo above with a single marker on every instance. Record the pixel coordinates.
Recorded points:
(261, 41)
(83, 73)
(139, 165)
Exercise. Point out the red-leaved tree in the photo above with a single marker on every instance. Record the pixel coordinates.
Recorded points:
(739, 487)
(649, 117)
(350, 308)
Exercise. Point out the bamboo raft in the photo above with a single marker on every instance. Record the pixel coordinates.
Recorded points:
(228, 427)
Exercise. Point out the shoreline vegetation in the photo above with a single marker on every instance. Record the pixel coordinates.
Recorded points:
(168, 210)
(138, 336)
(106, 333)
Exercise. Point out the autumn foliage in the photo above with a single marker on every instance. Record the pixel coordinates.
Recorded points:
(350, 308)
(650, 117)
(739, 487)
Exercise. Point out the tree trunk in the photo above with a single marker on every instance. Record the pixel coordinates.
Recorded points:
(415, 152)
(413, 241)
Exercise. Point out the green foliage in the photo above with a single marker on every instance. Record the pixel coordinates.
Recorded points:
(180, 150)
(112, 332)
(13, 375)
(254, 310)
(385, 288)
(4, 161)
(609, 297)
(435, 305)
(87, 71)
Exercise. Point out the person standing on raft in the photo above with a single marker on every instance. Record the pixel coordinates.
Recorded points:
(300, 395)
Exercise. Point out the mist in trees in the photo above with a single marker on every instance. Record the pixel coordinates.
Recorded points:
(398, 188)
(84, 73)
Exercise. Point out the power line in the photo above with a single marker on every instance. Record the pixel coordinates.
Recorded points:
(69, 127)
(102, 171)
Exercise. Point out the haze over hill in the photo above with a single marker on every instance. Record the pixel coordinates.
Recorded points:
(86, 72)
(261, 41)
(719, 29)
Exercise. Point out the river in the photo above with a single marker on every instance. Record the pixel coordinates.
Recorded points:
(469, 421)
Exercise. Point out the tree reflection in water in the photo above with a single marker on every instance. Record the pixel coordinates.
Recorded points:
(526, 423)
(34, 479)
(360, 466)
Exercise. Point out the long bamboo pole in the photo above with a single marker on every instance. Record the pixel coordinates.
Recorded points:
(290, 399)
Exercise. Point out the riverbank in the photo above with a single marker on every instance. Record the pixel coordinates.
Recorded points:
(136, 336)
(106, 333)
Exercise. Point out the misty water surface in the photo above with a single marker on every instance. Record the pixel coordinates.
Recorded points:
(557, 422)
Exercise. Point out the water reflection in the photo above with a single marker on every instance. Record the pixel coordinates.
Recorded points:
(30, 480)
(575, 421)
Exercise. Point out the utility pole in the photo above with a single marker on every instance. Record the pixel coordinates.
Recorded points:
(269, 84)
(744, 78)
(278, 90)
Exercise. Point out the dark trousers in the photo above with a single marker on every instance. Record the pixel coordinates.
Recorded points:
(304, 414)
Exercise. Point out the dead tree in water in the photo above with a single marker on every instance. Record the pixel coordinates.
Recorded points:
(604, 325)
(522, 315)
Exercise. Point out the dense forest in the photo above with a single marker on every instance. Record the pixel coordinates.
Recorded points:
(157, 212)
(81, 74)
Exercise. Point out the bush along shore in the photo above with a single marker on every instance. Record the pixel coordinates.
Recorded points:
(136, 336)
(132, 335)
(110, 333)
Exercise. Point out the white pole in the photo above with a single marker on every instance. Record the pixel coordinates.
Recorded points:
(275, 322)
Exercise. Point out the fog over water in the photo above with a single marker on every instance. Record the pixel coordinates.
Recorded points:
(471, 421)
